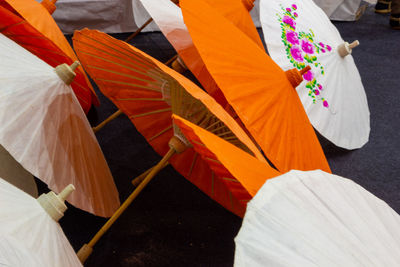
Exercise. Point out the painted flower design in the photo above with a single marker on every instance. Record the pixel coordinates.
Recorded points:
(292, 37)
(296, 53)
(308, 76)
(289, 21)
(302, 49)
(307, 47)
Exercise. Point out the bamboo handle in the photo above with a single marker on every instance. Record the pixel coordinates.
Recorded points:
(103, 123)
(133, 35)
(140, 178)
(171, 59)
(126, 203)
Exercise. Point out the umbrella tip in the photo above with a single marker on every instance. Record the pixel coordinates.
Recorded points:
(54, 204)
(67, 73)
(346, 48)
(305, 70)
(49, 5)
(66, 192)
(295, 77)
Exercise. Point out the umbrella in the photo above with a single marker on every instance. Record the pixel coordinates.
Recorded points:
(317, 219)
(148, 92)
(299, 33)
(14, 253)
(145, 20)
(34, 223)
(245, 74)
(29, 24)
(43, 127)
(240, 172)
(15, 174)
(169, 18)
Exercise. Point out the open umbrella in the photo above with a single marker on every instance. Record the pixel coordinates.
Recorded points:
(14, 253)
(43, 127)
(168, 17)
(29, 24)
(144, 19)
(299, 33)
(256, 88)
(34, 224)
(317, 219)
(148, 92)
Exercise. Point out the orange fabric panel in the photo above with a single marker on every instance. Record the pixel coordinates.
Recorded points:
(257, 89)
(39, 18)
(20, 31)
(228, 161)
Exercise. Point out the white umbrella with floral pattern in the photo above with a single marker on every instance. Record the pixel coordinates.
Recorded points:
(298, 33)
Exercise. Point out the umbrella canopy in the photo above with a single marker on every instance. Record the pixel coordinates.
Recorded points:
(14, 253)
(15, 174)
(299, 33)
(240, 172)
(245, 74)
(168, 17)
(148, 92)
(317, 219)
(29, 24)
(43, 127)
(27, 221)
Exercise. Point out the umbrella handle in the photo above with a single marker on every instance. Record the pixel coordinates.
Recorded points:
(133, 35)
(136, 181)
(110, 118)
(176, 146)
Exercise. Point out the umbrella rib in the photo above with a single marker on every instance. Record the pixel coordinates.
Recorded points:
(154, 76)
(121, 73)
(139, 99)
(192, 165)
(150, 113)
(131, 85)
(12, 25)
(230, 179)
(131, 53)
(160, 133)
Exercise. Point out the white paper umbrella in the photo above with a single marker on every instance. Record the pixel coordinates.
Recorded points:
(317, 219)
(298, 33)
(15, 174)
(14, 253)
(34, 224)
(43, 127)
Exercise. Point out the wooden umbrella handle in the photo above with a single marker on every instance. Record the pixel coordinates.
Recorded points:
(141, 177)
(133, 35)
(86, 250)
(110, 118)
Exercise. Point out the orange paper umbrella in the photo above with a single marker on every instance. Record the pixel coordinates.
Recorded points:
(258, 90)
(168, 17)
(30, 25)
(238, 173)
(148, 92)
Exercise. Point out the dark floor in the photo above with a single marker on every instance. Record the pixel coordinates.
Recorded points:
(172, 223)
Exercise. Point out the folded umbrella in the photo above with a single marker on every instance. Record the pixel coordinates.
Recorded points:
(299, 33)
(317, 219)
(29, 24)
(43, 127)
(33, 223)
(256, 88)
